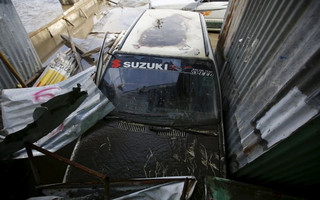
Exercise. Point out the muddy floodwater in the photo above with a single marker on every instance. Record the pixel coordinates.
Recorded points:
(36, 13)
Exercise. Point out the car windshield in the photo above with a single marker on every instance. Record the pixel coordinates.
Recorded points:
(162, 91)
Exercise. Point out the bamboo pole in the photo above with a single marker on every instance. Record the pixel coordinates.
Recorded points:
(12, 70)
(76, 55)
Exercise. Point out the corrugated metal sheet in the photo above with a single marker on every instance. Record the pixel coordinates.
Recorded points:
(270, 77)
(18, 106)
(16, 46)
(292, 166)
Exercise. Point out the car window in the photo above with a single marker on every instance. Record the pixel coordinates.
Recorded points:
(170, 91)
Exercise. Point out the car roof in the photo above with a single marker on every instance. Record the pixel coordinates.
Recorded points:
(167, 32)
(172, 4)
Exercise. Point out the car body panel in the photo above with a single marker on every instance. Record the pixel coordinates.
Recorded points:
(213, 12)
(179, 32)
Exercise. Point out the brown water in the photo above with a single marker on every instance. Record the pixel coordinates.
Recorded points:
(36, 13)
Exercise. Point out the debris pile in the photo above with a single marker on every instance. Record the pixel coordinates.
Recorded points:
(59, 69)
(64, 102)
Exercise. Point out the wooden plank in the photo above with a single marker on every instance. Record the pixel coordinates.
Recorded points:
(74, 50)
(79, 49)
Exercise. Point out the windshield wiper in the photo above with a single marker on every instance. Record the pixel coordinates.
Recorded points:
(142, 115)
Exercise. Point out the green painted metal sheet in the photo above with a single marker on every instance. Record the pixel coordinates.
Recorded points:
(224, 189)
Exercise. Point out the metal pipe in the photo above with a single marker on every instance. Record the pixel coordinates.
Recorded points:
(33, 166)
(106, 187)
(67, 161)
(103, 177)
(184, 191)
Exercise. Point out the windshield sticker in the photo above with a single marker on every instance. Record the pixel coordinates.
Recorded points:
(176, 68)
(139, 65)
(196, 68)
(202, 72)
(145, 65)
(116, 63)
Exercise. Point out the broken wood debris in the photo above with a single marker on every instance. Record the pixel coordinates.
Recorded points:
(67, 42)
(75, 53)
(59, 69)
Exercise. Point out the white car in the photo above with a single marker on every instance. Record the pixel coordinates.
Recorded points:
(164, 84)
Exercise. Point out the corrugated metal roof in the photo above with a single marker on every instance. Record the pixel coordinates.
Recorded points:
(16, 46)
(270, 81)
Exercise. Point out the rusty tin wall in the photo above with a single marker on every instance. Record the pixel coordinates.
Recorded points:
(269, 59)
(16, 46)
